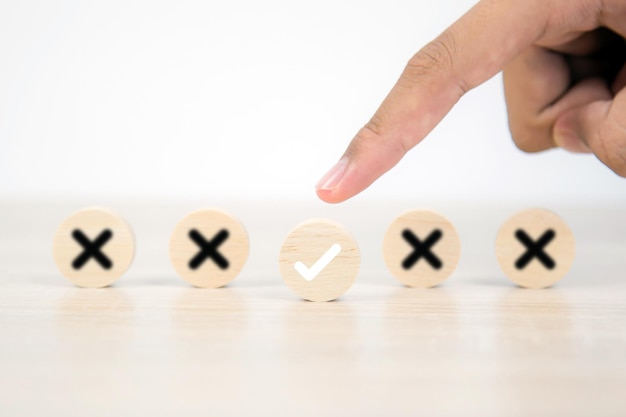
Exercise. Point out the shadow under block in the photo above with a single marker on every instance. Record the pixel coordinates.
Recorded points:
(319, 260)
(209, 248)
(93, 247)
(535, 248)
(421, 248)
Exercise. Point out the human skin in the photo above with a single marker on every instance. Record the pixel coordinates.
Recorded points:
(564, 78)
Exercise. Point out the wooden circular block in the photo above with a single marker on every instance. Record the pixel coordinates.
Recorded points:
(319, 260)
(209, 248)
(421, 248)
(535, 248)
(93, 247)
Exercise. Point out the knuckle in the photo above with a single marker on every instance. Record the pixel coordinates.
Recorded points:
(576, 15)
(621, 171)
(435, 57)
(617, 164)
(364, 139)
(373, 135)
(375, 126)
(526, 139)
(526, 144)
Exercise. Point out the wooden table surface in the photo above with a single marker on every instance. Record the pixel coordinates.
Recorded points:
(152, 345)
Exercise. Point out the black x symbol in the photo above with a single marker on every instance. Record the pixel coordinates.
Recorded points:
(92, 249)
(422, 249)
(208, 249)
(535, 249)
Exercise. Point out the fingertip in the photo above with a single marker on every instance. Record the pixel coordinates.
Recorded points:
(367, 158)
(334, 176)
(568, 134)
(330, 187)
(571, 142)
(329, 196)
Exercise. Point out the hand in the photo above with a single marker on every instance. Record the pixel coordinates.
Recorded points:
(564, 78)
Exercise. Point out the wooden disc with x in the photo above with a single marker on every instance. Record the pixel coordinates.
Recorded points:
(421, 248)
(93, 247)
(208, 248)
(535, 248)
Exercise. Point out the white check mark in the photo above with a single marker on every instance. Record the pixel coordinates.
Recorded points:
(310, 273)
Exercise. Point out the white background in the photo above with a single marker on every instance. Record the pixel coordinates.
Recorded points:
(245, 100)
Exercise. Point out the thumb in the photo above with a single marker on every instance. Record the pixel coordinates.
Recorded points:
(471, 51)
(600, 126)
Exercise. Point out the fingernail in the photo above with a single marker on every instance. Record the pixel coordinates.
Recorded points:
(334, 176)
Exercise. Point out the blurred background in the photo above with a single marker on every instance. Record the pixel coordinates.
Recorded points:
(246, 101)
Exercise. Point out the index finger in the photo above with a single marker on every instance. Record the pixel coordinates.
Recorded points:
(472, 50)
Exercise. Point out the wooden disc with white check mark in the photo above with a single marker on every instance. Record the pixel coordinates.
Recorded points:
(209, 248)
(319, 260)
(93, 247)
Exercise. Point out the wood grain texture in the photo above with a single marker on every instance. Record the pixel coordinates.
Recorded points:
(307, 243)
(476, 345)
(422, 224)
(208, 223)
(535, 223)
(119, 249)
